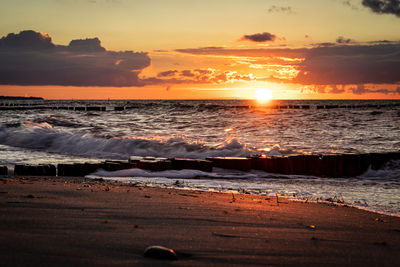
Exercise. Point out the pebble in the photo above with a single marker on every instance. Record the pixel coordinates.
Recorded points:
(159, 252)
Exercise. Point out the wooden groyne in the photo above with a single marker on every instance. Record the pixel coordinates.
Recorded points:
(72, 108)
(35, 170)
(328, 165)
(36, 106)
(3, 170)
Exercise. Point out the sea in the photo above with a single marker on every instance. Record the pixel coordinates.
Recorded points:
(53, 132)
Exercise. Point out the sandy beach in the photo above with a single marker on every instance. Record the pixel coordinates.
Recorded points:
(80, 222)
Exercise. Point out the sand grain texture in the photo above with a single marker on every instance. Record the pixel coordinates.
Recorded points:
(77, 222)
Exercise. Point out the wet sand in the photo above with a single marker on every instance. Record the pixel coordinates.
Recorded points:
(78, 222)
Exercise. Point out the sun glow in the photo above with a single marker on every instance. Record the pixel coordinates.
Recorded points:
(263, 95)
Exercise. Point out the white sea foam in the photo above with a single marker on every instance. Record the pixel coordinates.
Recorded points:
(390, 171)
(180, 174)
(41, 136)
(374, 195)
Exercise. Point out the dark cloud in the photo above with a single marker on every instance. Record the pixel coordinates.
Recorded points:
(86, 45)
(27, 40)
(280, 9)
(351, 64)
(336, 89)
(325, 44)
(259, 37)
(31, 58)
(361, 89)
(358, 89)
(168, 73)
(342, 40)
(187, 73)
(382, 42)
(383, 6)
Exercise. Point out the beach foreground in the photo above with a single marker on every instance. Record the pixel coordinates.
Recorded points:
(76, 222)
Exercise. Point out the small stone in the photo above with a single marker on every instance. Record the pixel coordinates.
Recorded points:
(159, 252)
(311, 227)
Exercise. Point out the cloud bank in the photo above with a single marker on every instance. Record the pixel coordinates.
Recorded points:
(351, 64)
(334, 64)
(31, 58)
(383, 6)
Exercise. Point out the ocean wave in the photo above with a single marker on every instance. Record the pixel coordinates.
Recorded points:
(177, 174)
(389, 171)
(56, 121)
(189, 105)
(42, 136)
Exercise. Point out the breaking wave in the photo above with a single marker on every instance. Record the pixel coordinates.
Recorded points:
(42, 136)
(56, 121)
(390, 171)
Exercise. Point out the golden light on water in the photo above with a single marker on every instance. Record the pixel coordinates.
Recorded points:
(263, 95)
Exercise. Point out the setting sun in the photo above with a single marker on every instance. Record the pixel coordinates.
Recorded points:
(263, 94)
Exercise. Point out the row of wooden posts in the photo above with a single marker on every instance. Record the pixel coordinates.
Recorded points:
(332, 165)
(124, 107)
(74, 108)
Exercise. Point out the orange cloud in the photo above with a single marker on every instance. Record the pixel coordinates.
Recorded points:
(376, 63)
(197, 76)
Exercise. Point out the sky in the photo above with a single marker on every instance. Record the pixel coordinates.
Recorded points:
(200, 49)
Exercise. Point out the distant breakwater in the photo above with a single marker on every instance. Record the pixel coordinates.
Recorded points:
(328, 165)
(15, 105)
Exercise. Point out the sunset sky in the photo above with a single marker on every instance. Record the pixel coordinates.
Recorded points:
(192, 49)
